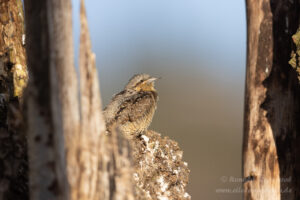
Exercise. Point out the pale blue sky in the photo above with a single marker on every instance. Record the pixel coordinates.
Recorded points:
(207, 31)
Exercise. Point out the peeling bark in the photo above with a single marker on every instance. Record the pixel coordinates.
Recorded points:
(271, 123)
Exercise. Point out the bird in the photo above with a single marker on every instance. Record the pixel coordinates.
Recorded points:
(131, 110)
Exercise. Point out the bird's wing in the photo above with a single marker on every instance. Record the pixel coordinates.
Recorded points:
(136, 107)
(113, 107)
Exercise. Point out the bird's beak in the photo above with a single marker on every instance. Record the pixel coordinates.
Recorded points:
(152, 79)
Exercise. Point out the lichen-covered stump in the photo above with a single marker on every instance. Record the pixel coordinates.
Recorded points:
(160, 173)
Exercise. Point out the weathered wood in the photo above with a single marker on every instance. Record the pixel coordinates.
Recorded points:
(52, 101)
(13, 78)
(70, 158)
(116, 168)
(92, 122)
(272, 99)
(105, 160)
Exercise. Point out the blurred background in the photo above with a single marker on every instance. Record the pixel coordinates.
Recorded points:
(198, 47)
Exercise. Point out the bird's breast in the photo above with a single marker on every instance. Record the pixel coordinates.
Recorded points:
(137, 127)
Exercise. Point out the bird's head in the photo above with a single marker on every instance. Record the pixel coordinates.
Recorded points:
(141, 82)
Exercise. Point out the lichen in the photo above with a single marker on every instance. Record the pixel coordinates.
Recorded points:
(13, 69)
(20, 78)
(295, 55)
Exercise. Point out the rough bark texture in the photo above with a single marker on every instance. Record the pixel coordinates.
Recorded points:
(271, 126)
(13, 78)
(92, 122)
(116, 168)
(52, 111)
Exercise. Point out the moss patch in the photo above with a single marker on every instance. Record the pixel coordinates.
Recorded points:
(295, 55)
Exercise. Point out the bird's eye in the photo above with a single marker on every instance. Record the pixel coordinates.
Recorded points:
(140, 82)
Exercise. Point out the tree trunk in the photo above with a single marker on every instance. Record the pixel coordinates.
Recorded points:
(272, 99)
(52, 111)
(13, 78)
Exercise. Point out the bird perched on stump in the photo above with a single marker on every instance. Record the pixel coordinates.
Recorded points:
(132, 110)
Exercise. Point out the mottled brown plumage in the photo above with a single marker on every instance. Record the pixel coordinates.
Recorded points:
(132, 109)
